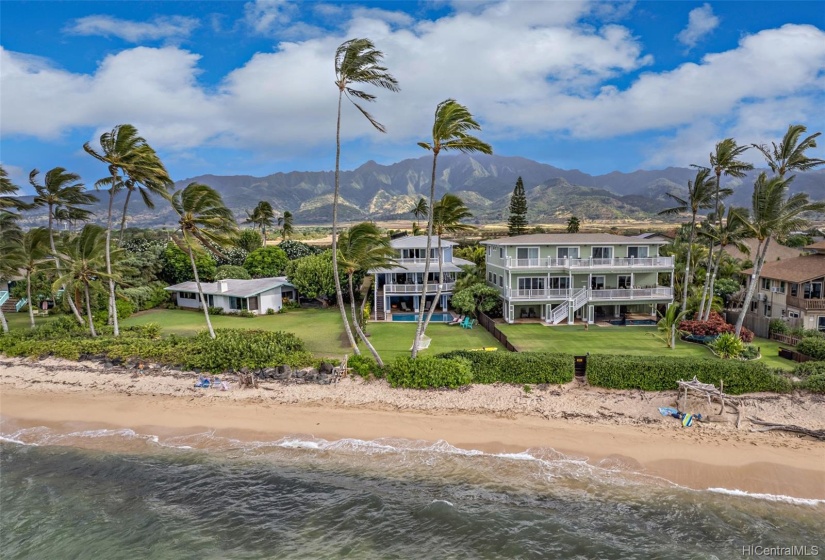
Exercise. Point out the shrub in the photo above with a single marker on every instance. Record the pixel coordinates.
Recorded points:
(778, 326)
(713, 326)
(805, 369)
(750, 352)
(813, 347)
(364, 366)
(429, 371)
(815, 383)
(232, 272)
(215, 310)
(239, 348)
(249, 240)
(727, 345)
(660, 373)
(270, 311)
(266, 262)
(246, 313)
(146, 297)
(517, 367)
(295, 249)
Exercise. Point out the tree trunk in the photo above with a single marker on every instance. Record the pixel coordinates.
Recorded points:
(123, 217)
(419, 330)
(29, 296)
(3, 321)
(358, 328)
(437, 297)
(687, 279)
(718, 260)
(356, 350)
(707, 281)
(72, 305)
(338, 292)
(112, 306)
(89, 310)
(200, 289)
(757, 270)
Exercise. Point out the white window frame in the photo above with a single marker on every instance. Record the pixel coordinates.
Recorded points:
(538, 252)
(539, 280)
(593, 251)
(557, 281)
(568, 248)
(645, 247)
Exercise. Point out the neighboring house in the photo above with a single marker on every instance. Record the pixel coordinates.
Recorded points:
(792, 289)
(398, 290)
(558, 277)
(776, 251)
(258, 296)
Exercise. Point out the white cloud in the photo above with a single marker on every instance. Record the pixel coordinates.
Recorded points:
(173, 28)
(701, 21)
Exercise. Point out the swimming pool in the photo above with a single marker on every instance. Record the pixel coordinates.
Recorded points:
(412, 317)
(634, 323)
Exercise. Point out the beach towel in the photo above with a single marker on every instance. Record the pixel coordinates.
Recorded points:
(668, 411)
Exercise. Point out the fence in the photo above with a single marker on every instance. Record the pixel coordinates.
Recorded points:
(786, 339)
(491, 327)
(793, 355)
(759, 325)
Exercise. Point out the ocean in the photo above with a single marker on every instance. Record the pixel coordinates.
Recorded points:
(117, 494)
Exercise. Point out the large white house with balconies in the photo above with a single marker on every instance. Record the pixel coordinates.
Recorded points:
(557, 278)
(399, 290)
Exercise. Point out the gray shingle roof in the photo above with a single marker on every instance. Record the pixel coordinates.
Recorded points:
(419, 267)
(569, 239)
(418, 242)
(235, 288)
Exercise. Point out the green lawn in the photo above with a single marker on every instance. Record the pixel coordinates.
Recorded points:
(638, 341)
(21, 320)
(321, 330)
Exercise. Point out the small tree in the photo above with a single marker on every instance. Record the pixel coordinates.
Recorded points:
(266, 262)
(669, 324)
(249, 240)
(517, 223)
(232, 272)
(478, 298)
(312, 277)
(573, 225)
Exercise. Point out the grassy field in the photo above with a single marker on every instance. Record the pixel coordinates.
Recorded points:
(321, 330)
(21, 320)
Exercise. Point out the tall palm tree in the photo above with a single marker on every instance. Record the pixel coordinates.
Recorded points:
(447, 216)
(789, 155)
(61, 189)
(11, 257)
(772, 213)
(262, 216)
(85, 258)
(700, 197)
(363, 247)
(285, 222)
(420, 210)
(206, 221)
(452, 128)
(34, 255)
(123, 151)
(149, 181)
(357, 61)
(732, 232)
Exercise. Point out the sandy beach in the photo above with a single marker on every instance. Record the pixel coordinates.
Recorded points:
(621, 429)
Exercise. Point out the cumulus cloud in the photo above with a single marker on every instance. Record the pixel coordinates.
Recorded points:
(172, 28)
(701, 21)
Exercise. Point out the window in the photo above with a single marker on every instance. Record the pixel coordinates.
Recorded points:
(793, 314)
(531, 283)
(524, 253)
(625, 282)
(495, 278)
(794, 289)
(754, 305)
(559, 283)
(501, 252)
(820, 323)
(597, 283)
(501, 281)
(812, 290)
(237, 304)
(781, 289)
(766, 284)
(767, 309)
(489, 276)
(567, 252)
(187, 295)
(637, 252)
(602, 252)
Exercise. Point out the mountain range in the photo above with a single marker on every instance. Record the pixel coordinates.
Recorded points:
(485, 183)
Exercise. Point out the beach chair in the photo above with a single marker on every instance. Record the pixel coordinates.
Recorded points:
(465, 323)
(456, 320)
(404, 306)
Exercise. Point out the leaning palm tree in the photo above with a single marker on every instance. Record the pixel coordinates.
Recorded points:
(7, 202)
(772, 213)
(124, 152)
(363, 247)
(732, 232)
(420, 210)
(11, 256)
(447, 216)
(85, 258)
(61, 190)
(357, 61)
(34, 255)
(205, 222)
(285, 222)
(147, 182)
(452, 129)
(262, 216)
(789, 155)
(700, 197)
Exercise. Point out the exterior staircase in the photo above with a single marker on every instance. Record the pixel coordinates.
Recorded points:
(379, 306)
(577, 300)
(7, 303)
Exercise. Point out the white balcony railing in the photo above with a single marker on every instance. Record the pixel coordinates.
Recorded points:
(623, 262)
(419, 260)
(417, 288)
(543, 262)
(538, 294)
(580, 296)
(631, 293)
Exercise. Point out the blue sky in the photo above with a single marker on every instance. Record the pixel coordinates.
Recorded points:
(234, 88)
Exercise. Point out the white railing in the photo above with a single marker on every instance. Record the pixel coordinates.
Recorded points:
(579, 298)
(538, 294)
(20, 304)
(623, 262)
(632, 293)
(419, 260)
(543, 262)
(560, 313)
(417, 288)
(4, 297)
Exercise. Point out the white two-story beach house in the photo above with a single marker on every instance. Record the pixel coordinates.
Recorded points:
(399, 290)
(558, 278)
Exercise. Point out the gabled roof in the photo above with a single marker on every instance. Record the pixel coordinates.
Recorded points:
(419, 242)
(235, 288)
(571, 239)
(454, 266)
(796, 269)
(818, 247)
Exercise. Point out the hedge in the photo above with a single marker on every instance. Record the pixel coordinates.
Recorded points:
(520, 368)
(815, 383)
(805, 369)
(813, 347)
(429, 371)
(660, 373)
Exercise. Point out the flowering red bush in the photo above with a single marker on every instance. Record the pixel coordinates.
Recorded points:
(713, 326)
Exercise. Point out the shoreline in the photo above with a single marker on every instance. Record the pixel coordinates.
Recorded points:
(613, 429)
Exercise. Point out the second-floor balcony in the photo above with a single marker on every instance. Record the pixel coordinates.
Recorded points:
(642, 263)
(417, 288)
(656, 293)
(805, 304)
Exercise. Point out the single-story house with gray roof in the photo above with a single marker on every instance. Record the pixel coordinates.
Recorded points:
(258, 295)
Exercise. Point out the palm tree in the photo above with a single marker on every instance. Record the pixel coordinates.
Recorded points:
(34, 253)
(204, 218)
(573, 225)
(772, 213)
(700, 197)
(148, 182)
(357, 61)
(420, 210)
(61, 189)
(669, 322)
(363, 247)
(732, 232)
(447, 215)
(789, 155)
(286, 222)
(7, 188)
(11, 257)
(85, 258)
(262, 216)
(123, 151)
(452, 126)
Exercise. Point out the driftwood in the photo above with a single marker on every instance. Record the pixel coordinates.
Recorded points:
(711, 393)
(770, 426)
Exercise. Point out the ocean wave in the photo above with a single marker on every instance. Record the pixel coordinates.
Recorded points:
(768, 497)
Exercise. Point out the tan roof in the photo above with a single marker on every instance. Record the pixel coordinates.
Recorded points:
(775, 251)
(572, 238)
(818, 246)
(796, 269)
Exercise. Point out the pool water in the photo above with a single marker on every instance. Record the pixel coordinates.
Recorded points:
(635, 322)
(412, 317)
